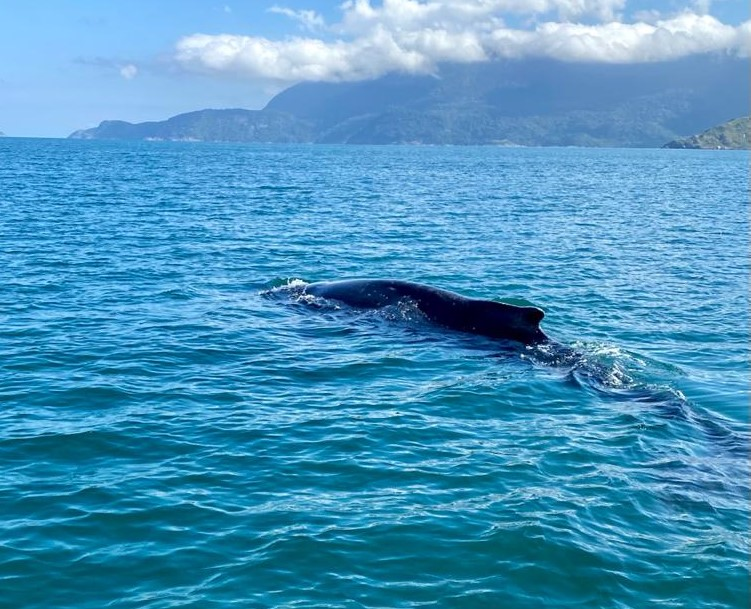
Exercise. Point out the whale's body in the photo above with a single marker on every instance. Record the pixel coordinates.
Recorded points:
(448, 309)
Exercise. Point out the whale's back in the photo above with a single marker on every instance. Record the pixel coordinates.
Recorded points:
(473, 315)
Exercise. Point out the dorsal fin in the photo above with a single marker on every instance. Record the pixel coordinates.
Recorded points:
(533, 315)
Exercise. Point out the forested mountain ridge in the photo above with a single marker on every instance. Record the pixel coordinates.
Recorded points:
(530, 102)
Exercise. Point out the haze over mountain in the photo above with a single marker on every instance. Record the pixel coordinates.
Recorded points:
(531, 102)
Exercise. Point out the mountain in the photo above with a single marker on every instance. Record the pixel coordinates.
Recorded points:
(732, 135)
(208, 125)
(530, 102)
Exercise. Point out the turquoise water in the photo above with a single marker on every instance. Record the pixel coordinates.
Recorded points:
(178, 430)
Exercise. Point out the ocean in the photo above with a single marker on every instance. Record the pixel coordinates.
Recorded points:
(178, 429)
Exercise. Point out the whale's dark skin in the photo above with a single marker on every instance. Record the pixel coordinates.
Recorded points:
(472, 315)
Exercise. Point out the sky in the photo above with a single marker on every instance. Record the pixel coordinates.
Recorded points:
(70, 64)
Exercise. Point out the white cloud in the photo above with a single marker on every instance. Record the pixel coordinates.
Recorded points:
(308, 20)
(414, 36)
(361, 14)
(299, 58)
(614, 42)
(128, 71)
(743, 39)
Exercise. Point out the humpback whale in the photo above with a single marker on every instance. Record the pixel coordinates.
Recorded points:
(444, 308)
(583, 365)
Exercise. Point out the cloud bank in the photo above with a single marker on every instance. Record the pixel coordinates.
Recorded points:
(414, 36)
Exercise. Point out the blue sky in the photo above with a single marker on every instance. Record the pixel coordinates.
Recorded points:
(69, 64)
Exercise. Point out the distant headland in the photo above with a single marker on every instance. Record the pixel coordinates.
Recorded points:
(234, 125)
(732, 135)
(530, 102)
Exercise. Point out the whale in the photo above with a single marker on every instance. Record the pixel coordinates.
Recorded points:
(581, 364)
(441, 307)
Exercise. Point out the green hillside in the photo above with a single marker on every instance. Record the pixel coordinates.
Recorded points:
(208, 126)
(732, 135)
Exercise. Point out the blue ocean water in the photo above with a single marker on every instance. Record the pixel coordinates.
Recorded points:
(178, 430)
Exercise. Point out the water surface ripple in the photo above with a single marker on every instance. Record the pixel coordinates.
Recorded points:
(171, 436)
